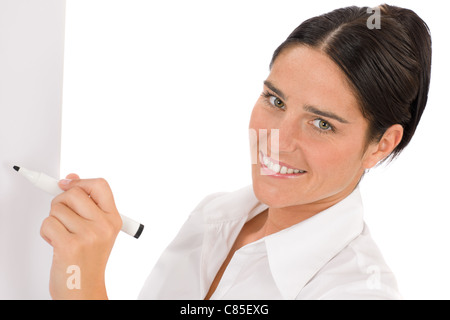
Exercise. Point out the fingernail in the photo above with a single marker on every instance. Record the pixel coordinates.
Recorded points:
(65, 182)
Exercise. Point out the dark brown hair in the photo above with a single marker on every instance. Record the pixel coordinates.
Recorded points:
(388, 68)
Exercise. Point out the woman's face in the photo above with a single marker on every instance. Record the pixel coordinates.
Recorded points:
(322, 132)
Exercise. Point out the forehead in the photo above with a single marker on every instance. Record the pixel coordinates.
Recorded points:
(309, 76)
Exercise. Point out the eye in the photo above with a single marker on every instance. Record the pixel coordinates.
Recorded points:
(276, 102)
(322, 125)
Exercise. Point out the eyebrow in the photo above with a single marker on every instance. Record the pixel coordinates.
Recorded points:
(323, 113)
(269, 85)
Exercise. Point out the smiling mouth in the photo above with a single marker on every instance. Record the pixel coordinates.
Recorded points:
(277, 168)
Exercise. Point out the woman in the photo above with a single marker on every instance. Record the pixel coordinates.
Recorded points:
(340, 98)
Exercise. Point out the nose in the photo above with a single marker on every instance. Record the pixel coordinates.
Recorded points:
(289, 136)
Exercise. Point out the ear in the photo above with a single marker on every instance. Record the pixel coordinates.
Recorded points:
(383, 148)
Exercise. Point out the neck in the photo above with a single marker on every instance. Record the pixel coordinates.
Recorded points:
(277, 219)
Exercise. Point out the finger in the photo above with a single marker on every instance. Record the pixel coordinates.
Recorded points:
(68, 218)
(98, 190)
(72, 176)
(79, 202)
(54, 232)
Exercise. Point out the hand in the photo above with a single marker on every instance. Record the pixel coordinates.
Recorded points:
(82, 227)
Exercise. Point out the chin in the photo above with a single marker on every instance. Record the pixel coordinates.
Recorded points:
(270, 196)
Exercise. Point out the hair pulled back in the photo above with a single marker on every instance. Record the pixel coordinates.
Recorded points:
(388, 68)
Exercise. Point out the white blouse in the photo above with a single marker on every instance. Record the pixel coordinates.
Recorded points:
(328, 256)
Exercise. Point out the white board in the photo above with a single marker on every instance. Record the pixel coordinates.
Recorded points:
(31, 70)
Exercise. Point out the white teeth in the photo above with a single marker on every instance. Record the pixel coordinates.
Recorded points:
(279, 169)
(276, 168)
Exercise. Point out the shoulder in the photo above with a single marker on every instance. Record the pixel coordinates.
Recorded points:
(222, 206)
(215, 207)
(358, 272)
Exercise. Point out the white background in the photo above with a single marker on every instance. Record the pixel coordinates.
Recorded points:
(157, 99)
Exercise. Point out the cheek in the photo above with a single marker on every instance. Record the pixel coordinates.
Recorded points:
(336, 161)
(257, 119)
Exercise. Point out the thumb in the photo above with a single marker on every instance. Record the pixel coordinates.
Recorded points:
(64, 183)
(72, 176)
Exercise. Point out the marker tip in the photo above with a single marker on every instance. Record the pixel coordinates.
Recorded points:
(16, 168)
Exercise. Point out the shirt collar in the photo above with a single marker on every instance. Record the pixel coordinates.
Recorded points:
(297, 253)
